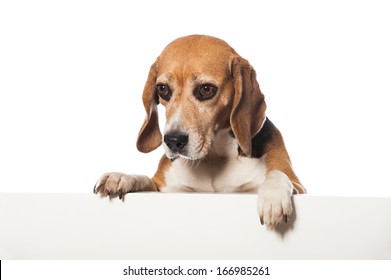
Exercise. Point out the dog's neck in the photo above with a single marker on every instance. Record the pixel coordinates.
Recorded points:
(223, 145)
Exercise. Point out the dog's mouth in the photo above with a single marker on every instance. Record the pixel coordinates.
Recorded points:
(183, 154)
(185, 157)
(192, 151)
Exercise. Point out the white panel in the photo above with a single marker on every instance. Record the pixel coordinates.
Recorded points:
(190, 226)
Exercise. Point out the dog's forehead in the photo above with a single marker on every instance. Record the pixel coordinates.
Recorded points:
(196, 53)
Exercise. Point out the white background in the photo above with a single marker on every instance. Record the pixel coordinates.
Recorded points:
(72, 74)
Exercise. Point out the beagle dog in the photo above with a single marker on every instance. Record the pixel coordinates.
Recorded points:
(217, 137)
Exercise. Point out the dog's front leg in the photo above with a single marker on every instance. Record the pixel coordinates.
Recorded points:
(115, 183)
(275, 199)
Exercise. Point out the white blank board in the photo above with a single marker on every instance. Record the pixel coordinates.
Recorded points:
(189, 226)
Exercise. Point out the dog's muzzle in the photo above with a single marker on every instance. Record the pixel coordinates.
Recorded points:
(176, 142)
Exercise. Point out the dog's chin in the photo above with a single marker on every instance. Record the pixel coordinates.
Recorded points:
(186, 157)
(174, 155)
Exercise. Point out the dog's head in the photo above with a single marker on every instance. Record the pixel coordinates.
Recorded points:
(205, 86)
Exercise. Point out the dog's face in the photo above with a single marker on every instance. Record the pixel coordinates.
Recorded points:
(194, 84)
(205, 87)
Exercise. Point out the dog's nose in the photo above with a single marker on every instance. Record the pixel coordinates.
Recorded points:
(176, 142)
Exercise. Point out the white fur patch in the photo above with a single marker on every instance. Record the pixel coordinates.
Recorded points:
(218, 175)
(174, 123)
(223, 170)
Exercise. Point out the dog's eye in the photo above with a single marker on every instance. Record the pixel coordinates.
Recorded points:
(163, 91)
(205, 91)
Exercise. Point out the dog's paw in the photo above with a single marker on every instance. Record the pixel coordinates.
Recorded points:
(115, 183)
(274, 199)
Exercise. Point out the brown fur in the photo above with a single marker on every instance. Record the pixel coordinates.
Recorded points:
(150, 137)
(159, 177)
(277, 158)
(249, 106)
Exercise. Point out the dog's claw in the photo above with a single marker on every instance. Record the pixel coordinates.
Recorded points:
(261, 219)
(120, 194)
(286, 218)
(97, 189)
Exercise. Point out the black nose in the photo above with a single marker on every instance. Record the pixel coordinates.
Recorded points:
(176, 142)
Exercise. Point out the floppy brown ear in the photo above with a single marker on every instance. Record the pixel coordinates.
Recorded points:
(150, 137)
(249, 107)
